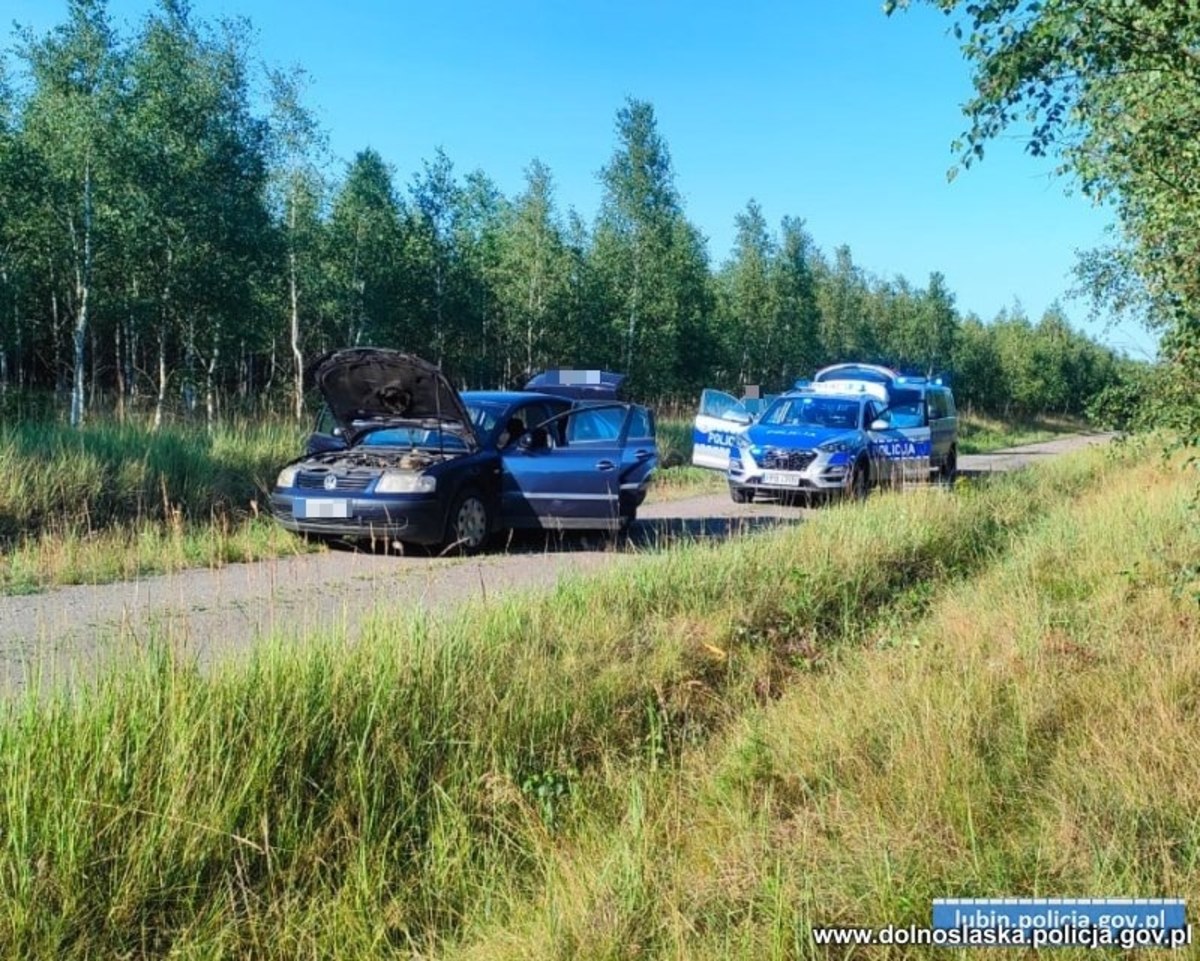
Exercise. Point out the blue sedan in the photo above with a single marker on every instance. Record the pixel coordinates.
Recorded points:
(399, 455)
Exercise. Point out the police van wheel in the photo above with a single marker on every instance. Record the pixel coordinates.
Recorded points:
(740, 495)
(950, 468)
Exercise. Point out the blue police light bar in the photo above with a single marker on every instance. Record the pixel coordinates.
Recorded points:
(801, 384)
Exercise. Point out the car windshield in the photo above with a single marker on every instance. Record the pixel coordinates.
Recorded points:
(413, 437)
(813, 412)
(485, 415)
(906, 409)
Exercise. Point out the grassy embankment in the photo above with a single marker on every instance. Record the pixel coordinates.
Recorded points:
(699, 754)
(114, 502)
(979, 433)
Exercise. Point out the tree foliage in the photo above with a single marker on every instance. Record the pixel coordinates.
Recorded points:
(1111, 87)
(162, 242)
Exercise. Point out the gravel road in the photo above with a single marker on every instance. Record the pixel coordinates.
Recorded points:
(67, 632)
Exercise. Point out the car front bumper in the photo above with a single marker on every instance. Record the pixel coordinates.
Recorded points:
(414, 518)
(827, 472)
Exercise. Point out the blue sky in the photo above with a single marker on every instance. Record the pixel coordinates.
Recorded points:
(827, 110)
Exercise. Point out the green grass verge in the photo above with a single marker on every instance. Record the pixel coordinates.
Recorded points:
(1029, 732)
(418, 789)
(979, 434)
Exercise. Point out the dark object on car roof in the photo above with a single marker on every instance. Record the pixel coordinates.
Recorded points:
(577, 384)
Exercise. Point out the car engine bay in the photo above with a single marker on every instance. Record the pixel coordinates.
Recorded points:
(378, 459)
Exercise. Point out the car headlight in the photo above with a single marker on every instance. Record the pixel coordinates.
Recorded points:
(835, 447)
(287, 476)
(403, 482)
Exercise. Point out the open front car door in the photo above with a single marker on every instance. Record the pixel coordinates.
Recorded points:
(581, 470)
(719, 422)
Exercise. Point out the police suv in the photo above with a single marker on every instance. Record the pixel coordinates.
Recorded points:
(853, 427)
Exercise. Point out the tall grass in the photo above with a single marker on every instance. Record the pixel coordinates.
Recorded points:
(432, 785)
(113, 500)
(1031, 733)
(54, 478)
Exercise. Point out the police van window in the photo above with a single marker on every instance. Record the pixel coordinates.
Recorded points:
(906, 409)
(949, 399)
(937, 405)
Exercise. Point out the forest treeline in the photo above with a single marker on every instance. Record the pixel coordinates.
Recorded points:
(170, 231)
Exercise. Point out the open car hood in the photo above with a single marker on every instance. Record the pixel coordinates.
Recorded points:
(366, 387)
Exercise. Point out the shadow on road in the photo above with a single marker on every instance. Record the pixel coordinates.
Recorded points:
(646, 534)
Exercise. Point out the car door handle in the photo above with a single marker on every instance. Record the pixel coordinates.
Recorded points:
(605, 465)
(641, 454)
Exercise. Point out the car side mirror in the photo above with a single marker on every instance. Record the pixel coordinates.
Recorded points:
(337, 432)
(880, 423)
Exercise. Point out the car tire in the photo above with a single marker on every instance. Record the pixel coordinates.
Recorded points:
(469, 523)
(740, 495)
(950, 468)
(860, 482)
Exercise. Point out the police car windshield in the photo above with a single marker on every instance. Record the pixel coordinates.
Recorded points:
(813, 412)
(906, 409)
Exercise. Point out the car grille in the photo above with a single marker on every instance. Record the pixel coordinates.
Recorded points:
(778, 459)
(314, 480)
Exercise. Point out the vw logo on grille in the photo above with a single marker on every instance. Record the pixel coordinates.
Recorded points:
(330, 482)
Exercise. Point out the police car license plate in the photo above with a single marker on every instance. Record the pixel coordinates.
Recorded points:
(780, 479)
(325, 507)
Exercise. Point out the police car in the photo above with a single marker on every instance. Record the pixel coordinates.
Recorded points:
(854, 426)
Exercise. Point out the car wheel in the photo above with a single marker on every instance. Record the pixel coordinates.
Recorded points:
(470, 523)
(950, 468)
(740, 495)
(626, 520)
(860, 482)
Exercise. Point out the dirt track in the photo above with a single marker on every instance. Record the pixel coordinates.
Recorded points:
(212, 613)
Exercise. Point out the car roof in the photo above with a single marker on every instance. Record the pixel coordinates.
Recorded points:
(831, 394)
(510, 396)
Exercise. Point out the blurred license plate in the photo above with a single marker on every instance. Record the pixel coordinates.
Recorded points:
(780, 479)
(324, 507)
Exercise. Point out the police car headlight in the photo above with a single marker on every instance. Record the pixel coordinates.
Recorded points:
(287, 476)
(402, 482)
(835, 447)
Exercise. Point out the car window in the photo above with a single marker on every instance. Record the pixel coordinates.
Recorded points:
(485, 415)
(951, 410)
(601, 424)
(325, 421)
(813, 411)
(639, 424)
(520, 420)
